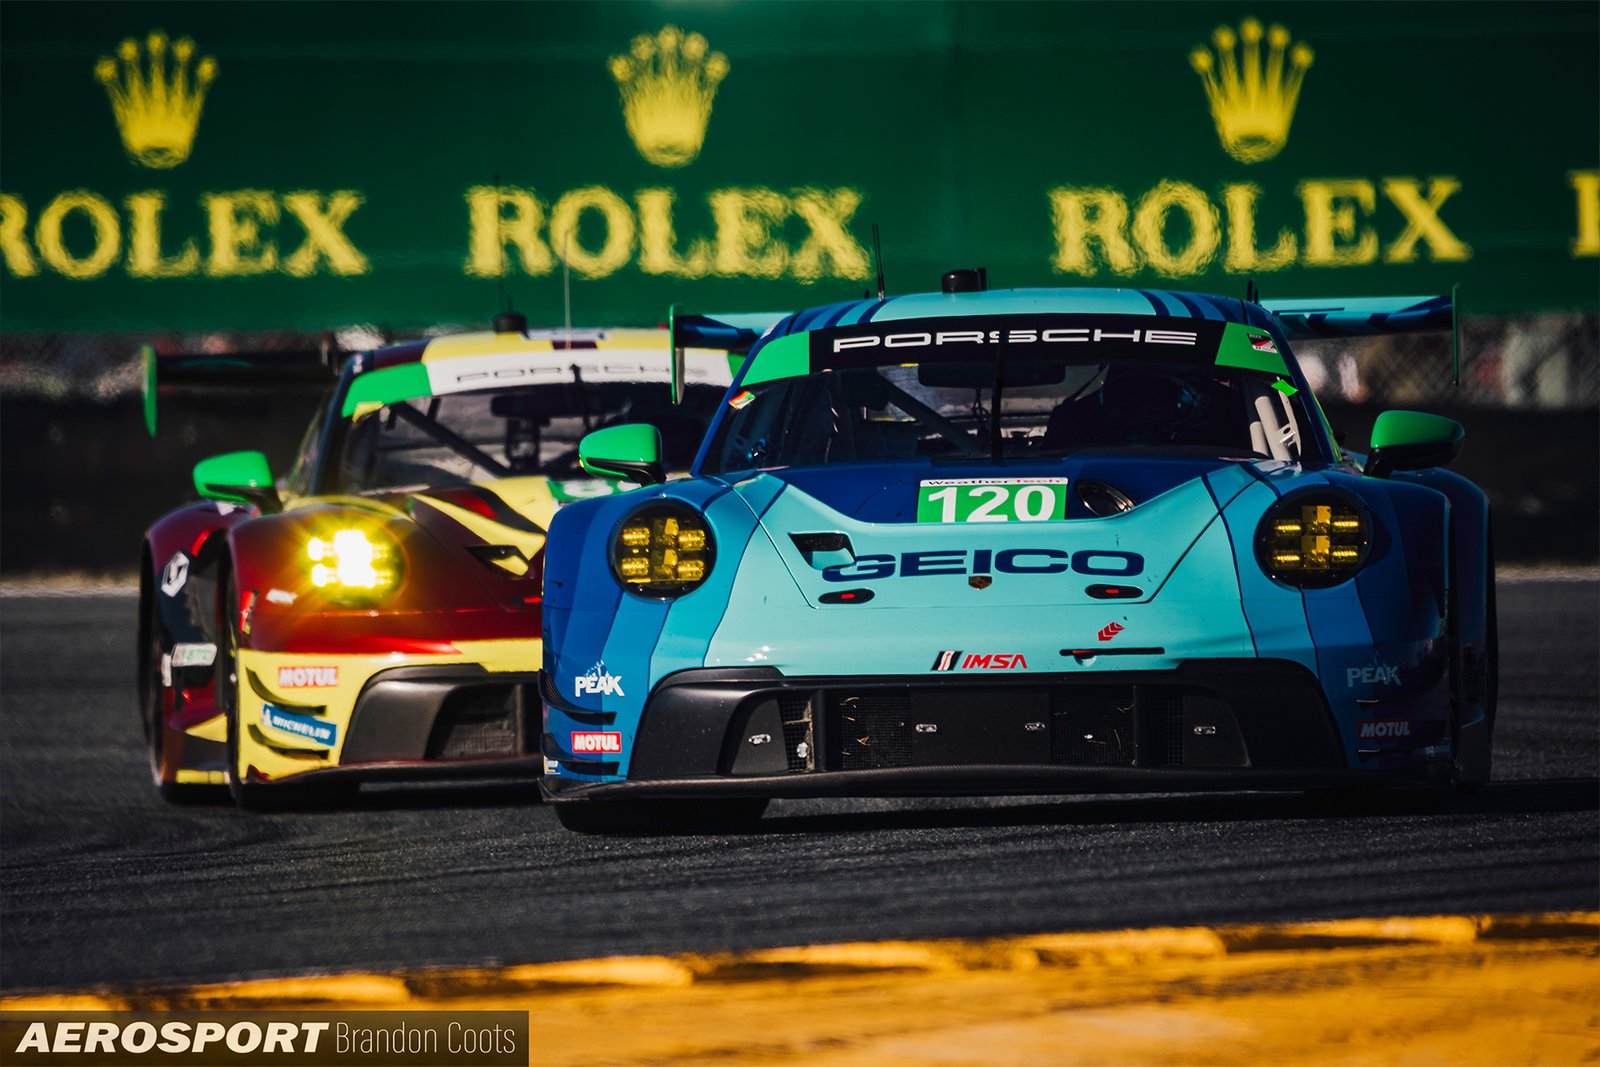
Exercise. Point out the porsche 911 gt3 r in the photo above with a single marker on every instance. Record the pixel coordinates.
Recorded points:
(1021, 542)
(375, 612)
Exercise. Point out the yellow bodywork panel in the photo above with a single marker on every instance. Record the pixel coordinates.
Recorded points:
(325, 687)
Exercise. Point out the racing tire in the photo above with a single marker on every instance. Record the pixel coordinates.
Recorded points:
(248, 795)
(660, 816)
(155, 728)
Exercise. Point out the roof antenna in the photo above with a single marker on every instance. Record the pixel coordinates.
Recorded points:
(877, 258)
(1252, 295)
(566, 282)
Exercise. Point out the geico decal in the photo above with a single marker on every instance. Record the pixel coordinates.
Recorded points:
(987, 560)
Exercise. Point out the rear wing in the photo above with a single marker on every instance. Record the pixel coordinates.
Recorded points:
(164, 375)
(733, 333)
(1312, 319)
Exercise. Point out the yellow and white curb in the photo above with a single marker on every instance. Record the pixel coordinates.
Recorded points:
(1522, 989)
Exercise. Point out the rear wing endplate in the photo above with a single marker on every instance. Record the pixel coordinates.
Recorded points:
(1312, 319)
(166, 374)
(735, 333)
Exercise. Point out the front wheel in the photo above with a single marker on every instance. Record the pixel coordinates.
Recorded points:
(660, 816)
(152, 703)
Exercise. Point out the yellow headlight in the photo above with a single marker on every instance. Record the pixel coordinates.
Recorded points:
(1313, 540)
(354, 564)
(663, 550)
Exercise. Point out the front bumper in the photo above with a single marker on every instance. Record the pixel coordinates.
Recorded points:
(1208, 724)
(449, 719)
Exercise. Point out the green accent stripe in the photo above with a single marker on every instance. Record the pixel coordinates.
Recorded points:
(785, 357)
(405, 382)
(1284, 387)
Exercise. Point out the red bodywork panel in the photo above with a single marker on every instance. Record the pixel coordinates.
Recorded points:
(445, 593)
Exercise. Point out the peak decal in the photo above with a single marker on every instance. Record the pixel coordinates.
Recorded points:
(667, 83)
(158, 107)
(1252, 99)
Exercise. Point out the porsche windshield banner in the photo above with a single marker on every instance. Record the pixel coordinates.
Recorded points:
(1026, 337)
(257, 166)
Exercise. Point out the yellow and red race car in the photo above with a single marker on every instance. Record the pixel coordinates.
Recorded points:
(375, 612)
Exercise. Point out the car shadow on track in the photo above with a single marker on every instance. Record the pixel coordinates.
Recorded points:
(1497, 798)
(413, 796)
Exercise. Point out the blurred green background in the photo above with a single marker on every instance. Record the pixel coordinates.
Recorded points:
(970, 132)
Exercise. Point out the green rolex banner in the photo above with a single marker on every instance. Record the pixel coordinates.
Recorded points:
(263, 165)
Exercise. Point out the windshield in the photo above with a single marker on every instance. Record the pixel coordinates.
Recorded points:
(1023, 408)
(475, 436)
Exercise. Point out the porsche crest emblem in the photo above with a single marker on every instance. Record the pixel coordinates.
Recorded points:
(980, 581)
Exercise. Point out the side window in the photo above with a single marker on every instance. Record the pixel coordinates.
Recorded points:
(298, 482)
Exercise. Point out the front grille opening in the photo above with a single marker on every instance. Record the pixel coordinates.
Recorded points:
(1092, 726)
(799, 739)
(476, 722)
(874, 730)
(1166, 715)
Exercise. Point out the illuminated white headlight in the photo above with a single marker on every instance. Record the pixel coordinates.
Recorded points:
(354, 564)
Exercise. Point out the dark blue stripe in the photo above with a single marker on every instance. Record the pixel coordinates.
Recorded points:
(833, 320)
(1155, 301)
(1193, 308)
(874, 309)
(1228, 310)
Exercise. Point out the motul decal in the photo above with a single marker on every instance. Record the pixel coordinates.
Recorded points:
(307, 677)
(1110, 630)
(1383, 729)
(596, 741)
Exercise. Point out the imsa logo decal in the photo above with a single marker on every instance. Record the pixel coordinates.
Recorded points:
(950, 660)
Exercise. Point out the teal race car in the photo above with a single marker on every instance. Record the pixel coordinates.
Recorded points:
(1019, 542)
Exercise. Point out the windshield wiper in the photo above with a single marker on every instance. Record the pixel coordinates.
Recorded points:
(995, 442)
(451, 440)
(941, 425)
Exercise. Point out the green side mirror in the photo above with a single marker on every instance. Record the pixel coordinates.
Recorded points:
(239, 478)
(631, 452)
(1412, 440)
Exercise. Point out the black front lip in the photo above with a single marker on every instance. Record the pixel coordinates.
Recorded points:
(524, 766)
(987, 780)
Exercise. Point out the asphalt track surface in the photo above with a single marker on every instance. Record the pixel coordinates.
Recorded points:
(101, 883)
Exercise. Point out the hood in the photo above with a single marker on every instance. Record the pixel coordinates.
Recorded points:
(906, 563)
(490, 534)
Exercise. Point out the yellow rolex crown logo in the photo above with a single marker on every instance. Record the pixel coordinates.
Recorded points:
(157, 105)
(1252, 99)
(667, 83)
